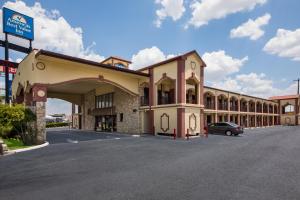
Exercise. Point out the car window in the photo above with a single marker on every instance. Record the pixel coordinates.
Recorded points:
(223, 124)
(233, 124)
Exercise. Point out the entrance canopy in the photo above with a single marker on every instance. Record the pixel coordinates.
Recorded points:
(45, 74)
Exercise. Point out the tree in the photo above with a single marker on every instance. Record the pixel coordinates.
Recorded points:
(17, 119)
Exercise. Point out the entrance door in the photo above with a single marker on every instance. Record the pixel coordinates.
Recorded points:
(106, 123)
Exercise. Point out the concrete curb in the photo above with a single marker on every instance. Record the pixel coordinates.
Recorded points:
(28, 148)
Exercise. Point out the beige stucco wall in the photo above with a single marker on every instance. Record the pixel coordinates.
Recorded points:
(105, 90)
(189, 70)
(88, 106)
(170, 69)
(192, 112)
(113, 61)
(172, 113)
(24, 72)
(288, 118)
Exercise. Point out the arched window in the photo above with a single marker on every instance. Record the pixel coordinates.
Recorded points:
(120, 65)
(191, 91)
(166, 91)
(209, 100)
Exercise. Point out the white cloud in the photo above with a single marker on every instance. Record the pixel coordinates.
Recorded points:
(205, 10)
(223, 71)
(221, 65)
(251, 28)
(253, 84)
(52, 32)
(148, 56)
(286, 43)
(58, 106)
(169, 8)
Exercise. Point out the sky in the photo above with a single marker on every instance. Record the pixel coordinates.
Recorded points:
(249, 46)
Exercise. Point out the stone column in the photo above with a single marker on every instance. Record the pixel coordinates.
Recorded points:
(297, 111)
(38, 106)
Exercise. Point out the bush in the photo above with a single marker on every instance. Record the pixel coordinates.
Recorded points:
(15, 121)
(56, 124)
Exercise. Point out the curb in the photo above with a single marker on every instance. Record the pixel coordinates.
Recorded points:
(28, 148)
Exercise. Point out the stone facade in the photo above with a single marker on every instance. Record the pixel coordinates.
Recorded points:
(129, 106)
(88, 106)
(39, 109)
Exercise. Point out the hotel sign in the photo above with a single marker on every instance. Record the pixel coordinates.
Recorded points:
(17, 24)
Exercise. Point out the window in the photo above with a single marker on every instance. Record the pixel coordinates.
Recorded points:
(104, 101)
(288, 109)
(191, 91)
(120, 65)
(121, 117)
(166, 92)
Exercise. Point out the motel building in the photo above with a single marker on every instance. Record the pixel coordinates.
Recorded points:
(159, 99)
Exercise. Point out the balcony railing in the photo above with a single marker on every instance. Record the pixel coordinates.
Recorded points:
(243, 109)
(210, 105)
(222, 107)
(251, 109)
(144, 101)
(165, 100)
(191, 101)
(234, 108)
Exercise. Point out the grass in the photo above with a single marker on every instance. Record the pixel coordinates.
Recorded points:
(13, 143)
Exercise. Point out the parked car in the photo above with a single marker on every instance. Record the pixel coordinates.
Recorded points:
(226, 128)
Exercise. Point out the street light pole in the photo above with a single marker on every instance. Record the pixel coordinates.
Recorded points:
(298, 80)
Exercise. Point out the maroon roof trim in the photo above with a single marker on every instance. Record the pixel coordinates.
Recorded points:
(173, 59)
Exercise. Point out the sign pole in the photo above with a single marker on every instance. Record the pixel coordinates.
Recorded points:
(6, 70)
(30, 46)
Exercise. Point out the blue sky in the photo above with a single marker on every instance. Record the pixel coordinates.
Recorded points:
(129, 29)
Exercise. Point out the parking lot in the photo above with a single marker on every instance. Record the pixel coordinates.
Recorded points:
(263, 163)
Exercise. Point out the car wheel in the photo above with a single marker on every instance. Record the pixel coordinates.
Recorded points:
(228, 133)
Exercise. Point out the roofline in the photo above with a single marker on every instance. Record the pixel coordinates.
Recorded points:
(173, 59)
(114, 57)
(88, 62)
(239, 93)
(281, 97)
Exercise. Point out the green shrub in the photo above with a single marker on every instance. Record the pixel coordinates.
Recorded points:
(15, 120)
(56, 124)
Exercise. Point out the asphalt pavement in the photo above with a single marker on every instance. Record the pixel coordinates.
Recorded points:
(261, 164)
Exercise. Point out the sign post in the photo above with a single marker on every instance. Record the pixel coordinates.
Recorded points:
(19, 25)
